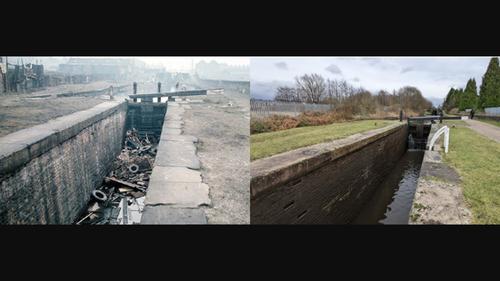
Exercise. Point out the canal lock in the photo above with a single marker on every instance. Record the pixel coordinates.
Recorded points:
(391, 202)
(120, 197)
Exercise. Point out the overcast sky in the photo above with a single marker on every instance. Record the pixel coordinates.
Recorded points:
(184, 63)
(432, 75)
(170, 63)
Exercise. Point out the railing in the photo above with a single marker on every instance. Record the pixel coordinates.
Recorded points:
(160, 94)
(443, 130)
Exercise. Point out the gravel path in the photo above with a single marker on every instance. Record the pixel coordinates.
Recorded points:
(485, 129)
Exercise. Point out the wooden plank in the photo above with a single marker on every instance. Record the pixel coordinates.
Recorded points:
(124, 183)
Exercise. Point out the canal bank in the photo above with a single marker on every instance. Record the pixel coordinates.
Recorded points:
(386, 185)
(439, 197)
(48, 171)
(325, 183)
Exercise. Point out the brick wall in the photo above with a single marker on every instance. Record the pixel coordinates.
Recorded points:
(146, 117)
(55, 186)
(342, 180)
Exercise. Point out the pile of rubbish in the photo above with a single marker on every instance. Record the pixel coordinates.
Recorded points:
(120, 198)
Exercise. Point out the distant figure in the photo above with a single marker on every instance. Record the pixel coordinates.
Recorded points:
(177, 86)
(401, 115)
(111, 92)
(441, 116)
(472, 114)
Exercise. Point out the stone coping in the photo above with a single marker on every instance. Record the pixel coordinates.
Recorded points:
(18, 148)
(176, 192)
(438, 196)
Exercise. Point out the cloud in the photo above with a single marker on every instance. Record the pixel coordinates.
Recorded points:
(281, 65)
(372, 61)
(432, 75)
(333, 69)
(267, 90)
(407, 69)
(355, 79)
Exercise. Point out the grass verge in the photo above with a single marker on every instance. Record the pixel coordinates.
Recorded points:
(455, 122)
(492, 122)
(267, 144)
(477, 160)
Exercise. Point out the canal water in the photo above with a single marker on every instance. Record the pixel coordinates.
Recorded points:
(391, 203)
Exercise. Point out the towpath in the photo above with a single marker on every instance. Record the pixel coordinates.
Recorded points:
(485, 129)
(19, 111)
(221, 123)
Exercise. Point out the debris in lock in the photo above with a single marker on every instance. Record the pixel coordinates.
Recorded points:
(99, 195)
(120, 198)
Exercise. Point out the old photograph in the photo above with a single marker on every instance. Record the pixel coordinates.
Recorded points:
(124, 140)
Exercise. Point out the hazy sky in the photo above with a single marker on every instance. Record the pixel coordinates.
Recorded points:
(170, 63)
(432, 75)
(184, 63)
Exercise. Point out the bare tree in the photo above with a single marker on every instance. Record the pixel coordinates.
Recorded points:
(312, 87)
(383, 98)
(411, 98)
(344, 97)
(286, 94)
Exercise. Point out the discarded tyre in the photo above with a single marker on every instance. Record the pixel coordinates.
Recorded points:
(99, 195)
(133, 168)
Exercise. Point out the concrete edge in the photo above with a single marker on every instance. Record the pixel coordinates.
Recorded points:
(431, 180)
(175, 197)
(20, 147)
(279, 169)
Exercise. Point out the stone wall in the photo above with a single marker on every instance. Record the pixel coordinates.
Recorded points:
(49, 171)
(325, 183)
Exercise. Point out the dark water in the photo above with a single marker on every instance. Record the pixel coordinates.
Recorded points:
(392, 201)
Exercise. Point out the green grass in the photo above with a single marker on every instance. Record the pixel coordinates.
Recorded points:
(492, 122)
(477, 160)
(455, 122)
(267, 144)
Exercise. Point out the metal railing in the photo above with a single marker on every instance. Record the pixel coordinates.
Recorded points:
(443, 130)
(160, 94)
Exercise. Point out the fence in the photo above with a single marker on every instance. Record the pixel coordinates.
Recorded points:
(492, 110)
(261, 108)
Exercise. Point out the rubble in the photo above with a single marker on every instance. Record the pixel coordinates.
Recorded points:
(119, 200)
